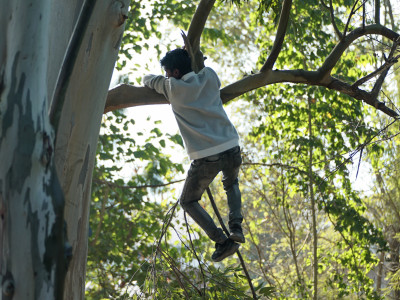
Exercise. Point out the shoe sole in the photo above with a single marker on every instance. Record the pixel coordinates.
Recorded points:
(227, 253)
(236, 238)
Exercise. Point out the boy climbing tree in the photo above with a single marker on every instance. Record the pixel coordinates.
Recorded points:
(211, 142)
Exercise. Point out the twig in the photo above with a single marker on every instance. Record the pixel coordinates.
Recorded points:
(332, 16)
(178, 272)
(111, 184)
(210, 196)
(352, 12)
(260, 258)
(358, 149)
(378, 71)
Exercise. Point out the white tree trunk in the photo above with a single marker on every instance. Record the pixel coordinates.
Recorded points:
(33, 41)
(79, 128)
(31, 201)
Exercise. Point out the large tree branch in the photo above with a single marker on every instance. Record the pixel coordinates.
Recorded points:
(124, 95)
(128, 96)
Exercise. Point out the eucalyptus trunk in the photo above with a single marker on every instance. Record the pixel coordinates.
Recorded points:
(32, 261)
(79, 129)
(34, 201)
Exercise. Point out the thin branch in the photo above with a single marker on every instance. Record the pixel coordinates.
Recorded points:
(313, 208)
(274, 165)
(114, 185)
(210, 196)
(259, 254)
(178, 272)
(363, 16)
(102, 213)
(378, 71)
(280, 36)
(332, 16)
(354, 9)
(358, 149)
(392, 204)
(377, 11)
(196, 65)
(346, 41)
(175, 269)
(378, 84)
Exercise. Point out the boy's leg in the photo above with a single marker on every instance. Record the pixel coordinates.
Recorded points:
(201, 173)
(232, 162)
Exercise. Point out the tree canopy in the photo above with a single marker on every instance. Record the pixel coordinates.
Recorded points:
(305, 70)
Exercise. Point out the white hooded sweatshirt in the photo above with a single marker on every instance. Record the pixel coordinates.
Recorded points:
(195, 99)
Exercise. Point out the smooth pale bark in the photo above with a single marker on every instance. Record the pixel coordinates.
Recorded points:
(65, 15)
(33, 41)
(79, 129)
(31, 202)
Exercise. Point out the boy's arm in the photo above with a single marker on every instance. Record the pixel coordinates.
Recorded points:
(158, 83)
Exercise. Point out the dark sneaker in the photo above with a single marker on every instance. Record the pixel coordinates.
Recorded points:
(237, 234)
(224, 250)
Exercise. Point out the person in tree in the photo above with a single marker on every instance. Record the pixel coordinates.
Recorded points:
(211, 142)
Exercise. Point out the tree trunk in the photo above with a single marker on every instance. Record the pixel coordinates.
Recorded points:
(33, 41)
(79, 128)
(31, 202)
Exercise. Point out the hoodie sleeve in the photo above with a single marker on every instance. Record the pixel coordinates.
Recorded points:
(158, 83)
